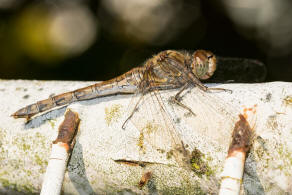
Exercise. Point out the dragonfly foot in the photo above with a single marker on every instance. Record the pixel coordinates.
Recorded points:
(124, 124)
(220, 89)
(177, 100)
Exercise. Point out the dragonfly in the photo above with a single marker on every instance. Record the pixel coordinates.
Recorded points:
(167, 70)
(170, 69)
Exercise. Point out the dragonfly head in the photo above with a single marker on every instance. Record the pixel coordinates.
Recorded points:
(203, 64)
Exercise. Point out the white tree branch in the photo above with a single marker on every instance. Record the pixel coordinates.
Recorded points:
(105, 157)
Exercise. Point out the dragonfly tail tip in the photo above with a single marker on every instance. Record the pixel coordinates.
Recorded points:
(14, 115)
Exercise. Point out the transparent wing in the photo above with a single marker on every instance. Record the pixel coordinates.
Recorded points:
(157, 131)
(215, 114)
(231, 69)
(160, 123)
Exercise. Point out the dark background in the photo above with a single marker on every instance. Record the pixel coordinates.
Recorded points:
(98, 40)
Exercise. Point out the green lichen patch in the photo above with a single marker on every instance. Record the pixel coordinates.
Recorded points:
(40, 161)
(199, 164)
(259, 147)
(160, 150)
(141, 141)
(196, 190)
(2, 136)
(169, 154)
(113, 113)
(286, 157)
(184, 188)
(24, 188)
(266, 154)
(261, 152)
(272, 122)
(150, 127)
(126, 191)
(25, 146)
(52, 123)
(23, 160)
(2, 143)
(288, 100)
(41, 140)
(26, 142)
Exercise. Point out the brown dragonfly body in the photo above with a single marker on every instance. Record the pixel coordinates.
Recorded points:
(167, 70)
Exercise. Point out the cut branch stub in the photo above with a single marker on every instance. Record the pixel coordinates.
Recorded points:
(68, 128)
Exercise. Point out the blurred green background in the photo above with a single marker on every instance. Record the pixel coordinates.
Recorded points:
(98, 40)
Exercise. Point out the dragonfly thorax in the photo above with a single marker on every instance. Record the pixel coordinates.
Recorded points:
(203, 64)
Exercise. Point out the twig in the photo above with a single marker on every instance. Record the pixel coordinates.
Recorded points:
(240, 145)
(61, 150)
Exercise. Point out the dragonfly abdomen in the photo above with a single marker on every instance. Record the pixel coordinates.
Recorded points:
(124, 84)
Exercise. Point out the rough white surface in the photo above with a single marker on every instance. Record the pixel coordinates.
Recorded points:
(55, 171)
(25, 148)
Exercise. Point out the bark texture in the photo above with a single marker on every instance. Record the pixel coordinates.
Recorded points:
(106, 159)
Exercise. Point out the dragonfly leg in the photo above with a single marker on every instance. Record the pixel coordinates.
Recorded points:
(177, 99)
(199, 84)
(219, 89)
(208, 89)
(132, 113)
